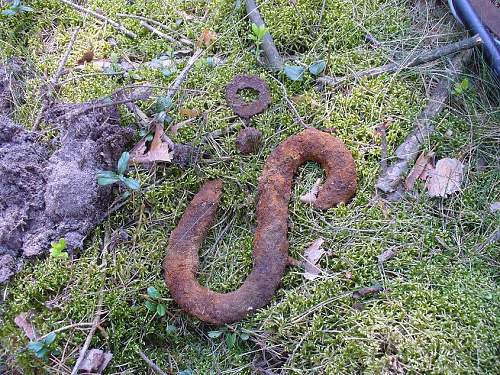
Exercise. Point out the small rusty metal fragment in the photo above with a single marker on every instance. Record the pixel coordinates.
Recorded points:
(248, 140)
(241, 107)
(270, 251)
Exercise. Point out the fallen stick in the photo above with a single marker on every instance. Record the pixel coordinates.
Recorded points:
(174, 87)
(408, 151)
(153, 366)
(274, 59)
(157, 32)
(55, 78)
(99, 310)
(101, 17)
(290, 104)
(410, 61)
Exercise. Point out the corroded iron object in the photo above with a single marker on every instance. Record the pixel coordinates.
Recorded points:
(270, 252)
(239, 106)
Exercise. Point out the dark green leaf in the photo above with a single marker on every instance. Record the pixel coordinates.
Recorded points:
(244, 336)
(42, 354)
(294, 72)
(230, 340)
(163, 103)
(35, 346)
(317, 67)
(153, 292)
(214, 334)
(161, 309)
(50, 338)
(103, 181)
(131, 183)
(123, 163)
(150, 305)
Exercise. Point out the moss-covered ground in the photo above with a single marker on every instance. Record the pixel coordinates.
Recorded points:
(439, 312)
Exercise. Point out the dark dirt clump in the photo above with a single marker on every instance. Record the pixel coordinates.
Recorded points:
(248, 140)
(44, 198)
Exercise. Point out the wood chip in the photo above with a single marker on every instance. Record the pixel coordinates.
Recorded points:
(385, 256)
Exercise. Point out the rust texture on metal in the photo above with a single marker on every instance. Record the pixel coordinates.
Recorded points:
(270, 248)
(247, 109)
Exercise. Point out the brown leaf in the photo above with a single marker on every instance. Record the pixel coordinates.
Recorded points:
(189, 113)
(161, 149)
(312, 255)
(23, 322)
(313, 194)
(385, 256)
(207, 37)
(419, 170)
(446, 178)
(95, 361)
(88, 56)
(367, 291)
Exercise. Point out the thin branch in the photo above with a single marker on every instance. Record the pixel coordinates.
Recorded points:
(153, 366)
(99, 311)
(101, 17)
(157, 32)
(175, 86)
(413, 60)
(274, 59)
(291, 105)
(55, 78)
(408, 151)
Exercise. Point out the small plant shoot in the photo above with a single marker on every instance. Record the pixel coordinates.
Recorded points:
(109, 177)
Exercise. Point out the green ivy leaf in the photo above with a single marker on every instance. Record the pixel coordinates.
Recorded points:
(294, 72)
(123, 163)
(317, 67)
(42, 354)
(153, 292)
(103, 181)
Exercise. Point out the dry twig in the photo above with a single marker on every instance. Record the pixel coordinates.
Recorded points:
(153, 366)
(411, 61)
(274, 59)
(101, 17)
(47, 96)
(175, 86)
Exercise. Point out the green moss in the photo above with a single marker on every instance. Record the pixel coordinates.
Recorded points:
(438, 312)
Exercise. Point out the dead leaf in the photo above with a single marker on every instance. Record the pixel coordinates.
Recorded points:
(446, 178)
(312, 255)
(385, 256)
(95, 361)
(175, 128)
(161, 148)
(23, 322)
(494, 207)
(367, 291)
(88, 56)
(188, 112)
(313, 194)
(207, 37)
(420, 170)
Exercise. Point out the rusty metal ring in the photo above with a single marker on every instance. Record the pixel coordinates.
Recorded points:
(239, 106)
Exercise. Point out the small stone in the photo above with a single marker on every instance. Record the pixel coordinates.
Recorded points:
(248, 141)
